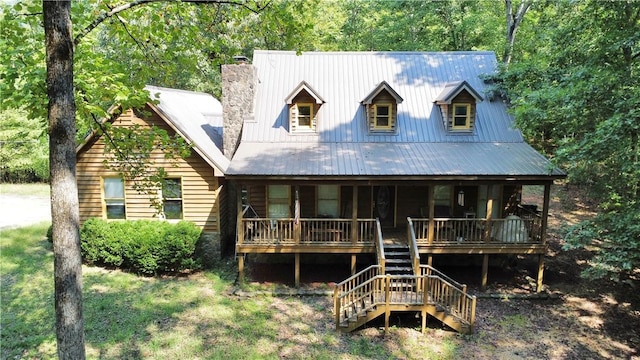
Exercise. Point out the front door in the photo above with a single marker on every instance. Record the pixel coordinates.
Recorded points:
(384, 205)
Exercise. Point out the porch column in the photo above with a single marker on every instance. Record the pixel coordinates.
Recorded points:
(354, 225)
(432, 222)
(240, 231)
(487, 238)
(296, 215)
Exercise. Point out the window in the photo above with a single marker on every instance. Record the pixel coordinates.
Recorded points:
(114, 201)
(382, 116)
(461, 116)
(328, 200)
(278, 198)
(172, 198)
(305, 116)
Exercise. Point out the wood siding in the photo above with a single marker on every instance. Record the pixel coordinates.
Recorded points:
(303, 98)
(201, 189)
(383, 98)
(447, 112)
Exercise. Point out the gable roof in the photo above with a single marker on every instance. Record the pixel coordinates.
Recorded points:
(383, 86)
(306, 87)
(451, 90)
(196, 116)
(345, 79)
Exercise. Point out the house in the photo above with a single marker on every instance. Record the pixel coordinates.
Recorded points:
(360, 152)
(192, 187)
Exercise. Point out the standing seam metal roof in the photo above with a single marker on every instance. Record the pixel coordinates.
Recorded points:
(342, 144)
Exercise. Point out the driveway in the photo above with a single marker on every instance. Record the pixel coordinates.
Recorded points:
(18, 210)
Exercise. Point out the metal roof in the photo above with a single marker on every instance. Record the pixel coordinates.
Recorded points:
(198, 117)
(342, 144)
(390, 159)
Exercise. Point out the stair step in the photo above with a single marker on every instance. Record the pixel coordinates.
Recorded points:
(398, 268)
(404, 254)
(398, 261)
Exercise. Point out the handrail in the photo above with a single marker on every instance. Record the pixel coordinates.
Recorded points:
(427, 270)
(413, 247)
(456, 301)
(380, 246)
(370, 288)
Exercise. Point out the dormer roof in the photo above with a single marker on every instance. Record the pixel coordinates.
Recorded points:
(304, 86)
(378, 89)
(452, 89)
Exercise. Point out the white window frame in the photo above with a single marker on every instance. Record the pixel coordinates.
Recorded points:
(113, 200)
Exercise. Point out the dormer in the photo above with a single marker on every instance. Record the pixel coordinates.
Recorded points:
(304, 103)
(382, 109)
(457, 103)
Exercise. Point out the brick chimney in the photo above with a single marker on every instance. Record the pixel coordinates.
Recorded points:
(238, 89)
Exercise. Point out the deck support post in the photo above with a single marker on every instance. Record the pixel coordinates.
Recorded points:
(540, 273)
(430, 260)
(297, 270)
(239, 231)
(485, 271)
(353, 264)
(241, 268)
(354, 215)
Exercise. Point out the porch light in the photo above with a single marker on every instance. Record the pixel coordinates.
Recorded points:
(461, 198)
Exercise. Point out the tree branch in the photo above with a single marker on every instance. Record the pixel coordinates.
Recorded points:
(118, 9)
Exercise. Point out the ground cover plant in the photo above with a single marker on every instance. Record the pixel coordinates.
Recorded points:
(206, 315)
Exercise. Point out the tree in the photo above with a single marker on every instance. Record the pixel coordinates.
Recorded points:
(513, 21)
(577, 99)
(65, 217)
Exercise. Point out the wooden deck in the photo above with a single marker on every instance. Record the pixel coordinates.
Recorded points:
(432, 236)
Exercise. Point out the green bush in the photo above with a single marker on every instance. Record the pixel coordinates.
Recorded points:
(142, 246)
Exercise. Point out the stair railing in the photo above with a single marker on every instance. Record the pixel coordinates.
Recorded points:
(413, 247)
(357, 289)
(380, 246)
(449, 295)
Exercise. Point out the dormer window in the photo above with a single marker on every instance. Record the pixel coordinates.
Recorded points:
(382, 109)
(304, 103)
(304, 115)
(461, 116)
(457, 103)
(382, 120)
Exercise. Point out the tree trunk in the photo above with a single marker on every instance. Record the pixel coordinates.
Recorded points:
(513, 20)
(64, 192)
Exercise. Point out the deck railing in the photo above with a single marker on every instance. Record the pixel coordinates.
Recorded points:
(509, 230)
(264, 231)
(370, 288)
(380, 247)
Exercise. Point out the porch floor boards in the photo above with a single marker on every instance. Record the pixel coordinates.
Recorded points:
(394, 236)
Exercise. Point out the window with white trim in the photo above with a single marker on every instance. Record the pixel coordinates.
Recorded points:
(114, 205)
(172, 198)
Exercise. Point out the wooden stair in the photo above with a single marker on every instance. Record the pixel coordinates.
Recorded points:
(374, 294)
(398, 260)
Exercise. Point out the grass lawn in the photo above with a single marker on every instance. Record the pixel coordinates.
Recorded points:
(185, 317)
(33, 189)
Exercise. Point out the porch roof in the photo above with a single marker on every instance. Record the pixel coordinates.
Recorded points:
(494, 159)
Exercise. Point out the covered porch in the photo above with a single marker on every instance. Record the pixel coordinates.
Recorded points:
(471, 217)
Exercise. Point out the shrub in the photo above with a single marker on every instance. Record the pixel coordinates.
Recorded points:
(142, 246)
